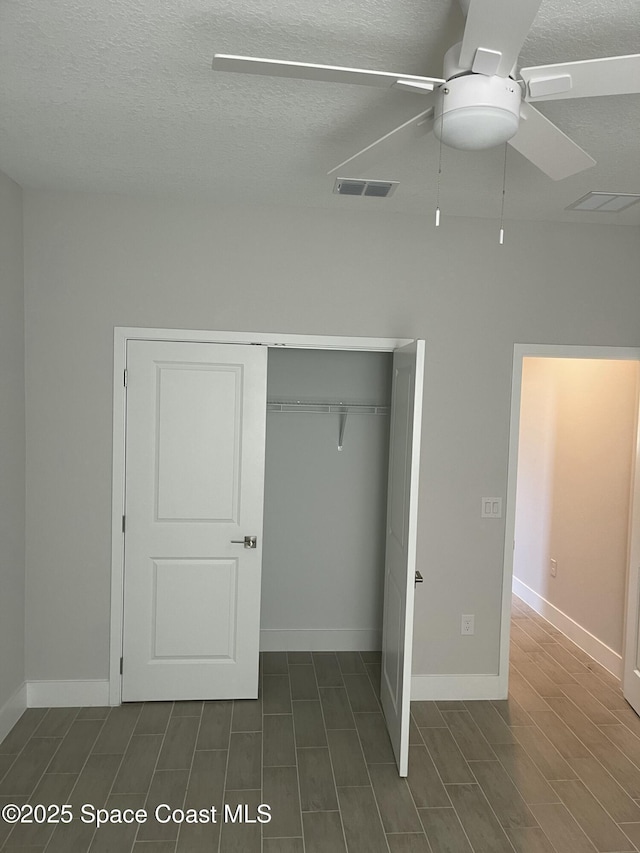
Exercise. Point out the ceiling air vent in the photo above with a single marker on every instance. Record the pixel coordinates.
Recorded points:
(352, 186)
(605, 202)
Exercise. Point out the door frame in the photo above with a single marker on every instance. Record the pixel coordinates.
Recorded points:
(122, 334)
(520, 352)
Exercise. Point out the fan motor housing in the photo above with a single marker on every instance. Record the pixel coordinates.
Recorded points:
(473, 111)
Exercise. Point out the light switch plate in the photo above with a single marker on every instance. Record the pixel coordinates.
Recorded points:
(491, 508)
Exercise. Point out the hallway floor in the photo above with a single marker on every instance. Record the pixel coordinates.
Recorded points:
(554, 769)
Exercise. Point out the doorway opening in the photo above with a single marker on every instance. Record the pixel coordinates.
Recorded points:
(327, 455)
(572, 466)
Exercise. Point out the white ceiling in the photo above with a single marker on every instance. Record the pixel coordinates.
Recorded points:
(119, 96)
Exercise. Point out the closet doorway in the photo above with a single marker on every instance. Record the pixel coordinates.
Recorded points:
(160, 589)
(327, 458)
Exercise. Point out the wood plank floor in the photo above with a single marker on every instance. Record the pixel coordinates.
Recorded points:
(553, 769)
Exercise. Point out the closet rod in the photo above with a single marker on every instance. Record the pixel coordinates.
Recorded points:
(326, 407)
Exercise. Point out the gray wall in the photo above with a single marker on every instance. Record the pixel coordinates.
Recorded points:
(324, 524)
(92, 262)
(12, 441)
(575, 462)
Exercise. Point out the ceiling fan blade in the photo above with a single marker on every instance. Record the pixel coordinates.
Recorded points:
(415, 128)
(547, 147)
(496, 26)
(611, 75)
(323, 73)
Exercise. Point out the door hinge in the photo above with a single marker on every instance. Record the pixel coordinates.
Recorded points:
(120, 666)
(125, 378)
(123, 523)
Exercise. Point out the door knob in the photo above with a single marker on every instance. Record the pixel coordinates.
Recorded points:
(419, 578)
(248, 541)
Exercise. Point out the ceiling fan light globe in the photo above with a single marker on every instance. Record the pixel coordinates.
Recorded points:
(474, 111)
(476, 127)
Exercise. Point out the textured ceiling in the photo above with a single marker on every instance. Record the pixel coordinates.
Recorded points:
(119, 96)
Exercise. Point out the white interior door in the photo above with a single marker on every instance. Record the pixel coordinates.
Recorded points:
(400, 561)
(195, 445)
(631, 651)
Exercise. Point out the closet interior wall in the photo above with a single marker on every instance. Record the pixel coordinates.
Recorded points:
(325, 509)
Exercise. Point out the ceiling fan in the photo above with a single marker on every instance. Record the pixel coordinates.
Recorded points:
(481, 100)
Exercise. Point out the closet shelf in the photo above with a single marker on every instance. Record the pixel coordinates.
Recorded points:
(326, 407)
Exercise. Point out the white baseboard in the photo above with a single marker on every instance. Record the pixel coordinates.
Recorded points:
(457, 687)
(62, 694)
(67, 694)
(12, 710)
(590, 644)
(319, 640)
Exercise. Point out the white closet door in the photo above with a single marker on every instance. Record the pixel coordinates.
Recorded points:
(400, 563)
(196, 416)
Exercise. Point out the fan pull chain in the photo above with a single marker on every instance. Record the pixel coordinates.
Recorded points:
(504, 187)
(445, 91)
(438, 185)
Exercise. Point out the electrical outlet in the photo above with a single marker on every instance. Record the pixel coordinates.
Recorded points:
(467, 626)
(554, 568)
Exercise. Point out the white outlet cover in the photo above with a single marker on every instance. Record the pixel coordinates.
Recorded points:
(467, 626)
